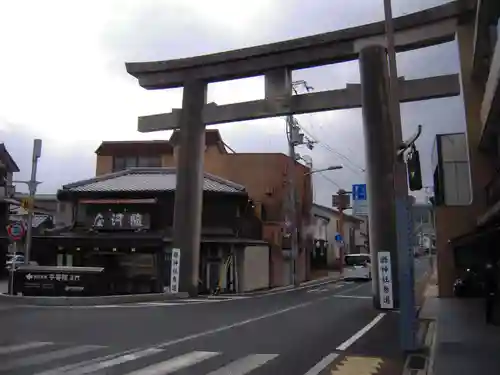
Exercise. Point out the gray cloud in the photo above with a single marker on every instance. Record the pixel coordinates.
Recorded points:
(154, 32)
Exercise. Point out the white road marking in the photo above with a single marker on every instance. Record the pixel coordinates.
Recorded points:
(294, 289)
(96, 366)
(66, 368)
(244, 365)
(348, 290)
(321, 365)
(157, 304)
(318, 290)
(360, 333)
(175, 364)
(251, 320)
(358, 297)
(20, 347)
(42, 358)
(229, 297)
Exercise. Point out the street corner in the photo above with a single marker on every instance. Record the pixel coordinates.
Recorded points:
(375, 353)
(348, 364)
(367, 365)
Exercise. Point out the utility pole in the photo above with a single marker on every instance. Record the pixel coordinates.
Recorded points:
(341, 201)
(294, 138)
(293, 135)
(405, 258)
(32, 185)
(340, 230)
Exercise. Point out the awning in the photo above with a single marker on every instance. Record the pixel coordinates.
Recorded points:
(131, 239)
(114, 239)
(233, 240)
(476, 236)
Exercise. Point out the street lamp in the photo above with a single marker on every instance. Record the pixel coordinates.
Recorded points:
(331, 168)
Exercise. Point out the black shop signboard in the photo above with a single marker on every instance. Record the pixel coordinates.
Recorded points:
(59, 281)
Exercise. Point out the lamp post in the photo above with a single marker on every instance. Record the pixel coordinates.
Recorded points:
(331, 168)
(32, 185)
(312, 171)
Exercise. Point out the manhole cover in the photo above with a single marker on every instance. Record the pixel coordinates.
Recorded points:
(416, 362)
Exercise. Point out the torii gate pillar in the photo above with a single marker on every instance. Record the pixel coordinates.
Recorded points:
(189, 188)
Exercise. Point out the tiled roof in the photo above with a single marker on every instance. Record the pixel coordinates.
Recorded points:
(6, 159)
(148, 180)
(37, 219)
(317, 207)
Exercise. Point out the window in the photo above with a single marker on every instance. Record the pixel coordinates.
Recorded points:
(125, 162)
(357, 259)
(149, 161)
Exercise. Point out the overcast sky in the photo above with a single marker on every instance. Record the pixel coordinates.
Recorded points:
(63, 78)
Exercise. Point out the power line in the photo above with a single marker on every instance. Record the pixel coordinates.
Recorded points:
(324, 144)
(329, 180)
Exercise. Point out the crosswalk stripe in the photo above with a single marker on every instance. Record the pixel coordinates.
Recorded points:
(103, 364)
(160, 303)
(94, 367)
(244, 365)
(67, 368)
(47, 357)
(174, 364)
(18, 348)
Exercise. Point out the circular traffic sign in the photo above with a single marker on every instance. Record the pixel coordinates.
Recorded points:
(15, 231)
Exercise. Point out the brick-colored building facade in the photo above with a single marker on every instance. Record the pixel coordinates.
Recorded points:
(263, 174)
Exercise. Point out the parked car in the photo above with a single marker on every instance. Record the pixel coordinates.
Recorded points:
(357, 266)
(470, 284)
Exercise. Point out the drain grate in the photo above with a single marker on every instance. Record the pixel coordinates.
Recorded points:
(416, 362)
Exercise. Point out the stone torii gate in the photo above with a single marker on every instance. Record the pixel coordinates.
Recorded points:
(274, 61)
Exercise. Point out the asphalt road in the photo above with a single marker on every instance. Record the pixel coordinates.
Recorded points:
(306, 331)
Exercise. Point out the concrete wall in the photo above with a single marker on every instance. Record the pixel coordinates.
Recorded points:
(254, 274)
(104, 164)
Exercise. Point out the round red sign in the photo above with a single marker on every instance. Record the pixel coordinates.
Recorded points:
(15, 231)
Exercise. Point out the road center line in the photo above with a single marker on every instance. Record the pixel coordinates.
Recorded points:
(321, 365)
(241, 323)
(251, 320)
(347, 296)
(351, 340)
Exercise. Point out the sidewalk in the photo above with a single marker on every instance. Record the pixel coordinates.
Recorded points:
(462, 343)
(4, 286)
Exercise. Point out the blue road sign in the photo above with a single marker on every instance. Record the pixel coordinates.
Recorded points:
(359, 192)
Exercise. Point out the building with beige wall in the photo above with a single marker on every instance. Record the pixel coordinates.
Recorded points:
(326, 252)
(264, 176)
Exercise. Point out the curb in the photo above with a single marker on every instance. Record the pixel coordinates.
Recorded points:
(88, 301)
(426, 334)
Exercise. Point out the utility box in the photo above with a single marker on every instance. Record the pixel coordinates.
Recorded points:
(451, 170)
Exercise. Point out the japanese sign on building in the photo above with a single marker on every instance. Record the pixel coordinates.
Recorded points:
(385, 280)
(52, 277)
(120, 220)
(174, 271)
